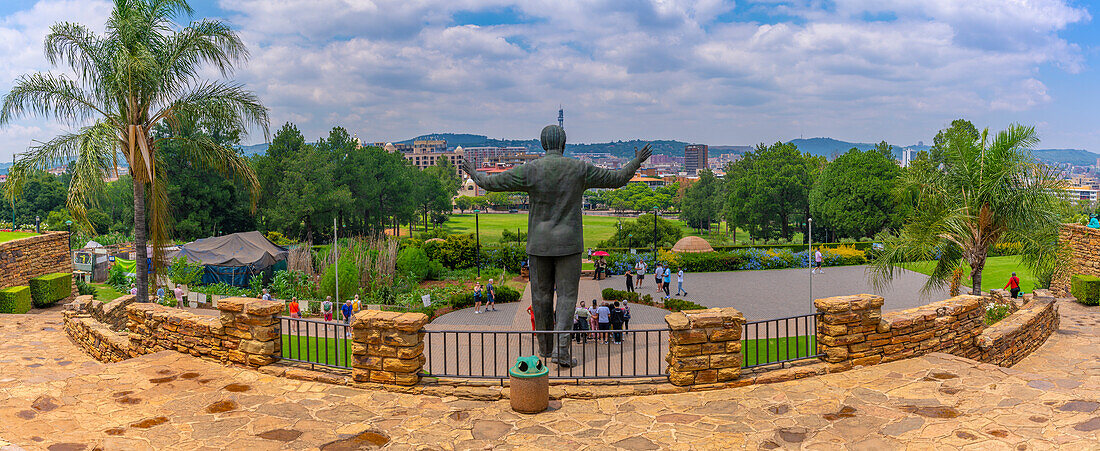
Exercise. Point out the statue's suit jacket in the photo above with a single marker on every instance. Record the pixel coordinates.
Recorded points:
(556, 187)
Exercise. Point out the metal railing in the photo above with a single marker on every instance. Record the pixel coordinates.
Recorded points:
(316, 342)
(613, 354)
(779, 340)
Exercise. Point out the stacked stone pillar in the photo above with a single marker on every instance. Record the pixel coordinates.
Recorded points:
(848, 332)
(705, 346)
(388, 347)
(254, 323)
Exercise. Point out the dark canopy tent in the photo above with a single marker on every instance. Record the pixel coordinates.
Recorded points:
(235, 258)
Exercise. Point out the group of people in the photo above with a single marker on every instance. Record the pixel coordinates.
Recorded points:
(601, 269)
(489, 293)
(607, 316)
(662, 278)
(348, 309)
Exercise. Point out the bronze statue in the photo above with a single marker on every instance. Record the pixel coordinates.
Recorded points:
(555, 185)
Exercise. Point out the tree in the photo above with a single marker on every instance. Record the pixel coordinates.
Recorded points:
(702, 205)
(854, 197)
(986, 191)
(768, 187)
(463, 203)
(41, 194)
(143, 71)
(639, 233)
(447, 175)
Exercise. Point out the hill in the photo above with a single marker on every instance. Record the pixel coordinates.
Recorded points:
(1077, 157)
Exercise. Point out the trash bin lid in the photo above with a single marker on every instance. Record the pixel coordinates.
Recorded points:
(527, 367)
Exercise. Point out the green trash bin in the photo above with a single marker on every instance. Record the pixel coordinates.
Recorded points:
(529, 385)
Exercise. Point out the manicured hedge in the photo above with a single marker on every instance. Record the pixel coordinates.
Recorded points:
(1086, 289)
(677, 305)
(50, 288)
(15, 299)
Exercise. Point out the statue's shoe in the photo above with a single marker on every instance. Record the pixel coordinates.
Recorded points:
(565, 363)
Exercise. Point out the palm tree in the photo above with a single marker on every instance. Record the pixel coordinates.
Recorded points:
(979, 193)
(143, 71)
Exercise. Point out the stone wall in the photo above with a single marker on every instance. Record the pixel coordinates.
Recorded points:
(246, 332)
(1083, 247)
(853, 331)
(27, 258)
(111, 314)
(388, 347)
(704, 346)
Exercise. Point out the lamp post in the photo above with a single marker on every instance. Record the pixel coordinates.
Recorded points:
(69, 228)
(810, 257)
(477, 237)
(37, 224)
(620, 234)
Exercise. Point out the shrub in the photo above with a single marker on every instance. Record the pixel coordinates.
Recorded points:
(278, 238)
(848, 255)
(414, 262)
(504, 295)
(50, 288)
(677, 305)
(119, 280)
(1086, 289)
(287, 284)
(83, 288)
(15, 300)
(184, 273)
(994, 313)
(349, 279)
(507, 256)
(458, 251)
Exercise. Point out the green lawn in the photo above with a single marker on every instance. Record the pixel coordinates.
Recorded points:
(8, 236)
(777, 349)
(317, 349)
(995, 275)
(104, 292)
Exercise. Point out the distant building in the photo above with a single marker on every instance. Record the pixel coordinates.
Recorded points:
(907, 157)
(496, 156)
(429, 145)
(695, 158)
(391, 147)
(423, 160)
(721, 160)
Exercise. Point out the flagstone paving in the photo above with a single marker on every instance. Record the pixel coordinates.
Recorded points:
(54, 397)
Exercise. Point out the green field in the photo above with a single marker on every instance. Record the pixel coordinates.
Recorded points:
(596, 228)
(8, 236)
(777, 349)
(317, 349)
(995, 275)
(104, 292)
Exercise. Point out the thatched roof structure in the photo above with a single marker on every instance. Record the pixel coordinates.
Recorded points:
(692, 244)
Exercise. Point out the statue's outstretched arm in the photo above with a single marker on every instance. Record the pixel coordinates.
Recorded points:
(514, 179)
(606, 178)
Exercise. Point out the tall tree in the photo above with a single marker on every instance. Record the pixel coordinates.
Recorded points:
(145, 70)
(768, 188)
(702, 203)
(987, 190)
(854, 197)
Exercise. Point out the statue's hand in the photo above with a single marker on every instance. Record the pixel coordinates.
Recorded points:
(644, 154)
(468, 167)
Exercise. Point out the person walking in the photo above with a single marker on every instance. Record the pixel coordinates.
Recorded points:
(477, 297)
(178, 292)
(490, 295)
(295, 312)
(603, 317)
(668, 281)
(629, 281)
(1013, 285)
(818, 259)
(615, 317)
(347, 310)
(657, 273)
(680, 282)
(640, 269)
(326, 307)
(580, 322)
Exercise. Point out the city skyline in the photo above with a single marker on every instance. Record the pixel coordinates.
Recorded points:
(705, 72)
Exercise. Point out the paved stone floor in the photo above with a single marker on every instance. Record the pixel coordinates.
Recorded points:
(54, 397)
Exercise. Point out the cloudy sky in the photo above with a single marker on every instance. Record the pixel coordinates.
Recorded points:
(716, 72)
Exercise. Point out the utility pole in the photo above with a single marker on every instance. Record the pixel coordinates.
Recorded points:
(810, 258)
(336, 249)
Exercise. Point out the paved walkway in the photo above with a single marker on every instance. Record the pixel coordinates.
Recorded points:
(780, 293)
(54, 397)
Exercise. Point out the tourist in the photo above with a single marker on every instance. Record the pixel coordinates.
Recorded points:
(818, 258)
(133, 289)
(178, 292)
(668, 281)
(346, 309)
(477, 297)
(629, 281)
(626, 315)
(639, 269)
(680, 282)
(160, 293)
(603, 315)
(657, 273)
(616, 318)
(596, 269)
(490, 296)
(295, 312)
(592, 321)
(1014, 283)
(580, 322)
(356, 305)
(326, 307)
(266, 296)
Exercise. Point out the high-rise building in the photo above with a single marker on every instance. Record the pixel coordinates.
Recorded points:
(695, 157)
(907, 156)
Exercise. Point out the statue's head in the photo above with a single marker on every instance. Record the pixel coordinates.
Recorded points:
(553, 139)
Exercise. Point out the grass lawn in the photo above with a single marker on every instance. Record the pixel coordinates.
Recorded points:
(995, 275)
(8, 236)
(317, 349)
(777, 349)
(104, 292)
(596, 228)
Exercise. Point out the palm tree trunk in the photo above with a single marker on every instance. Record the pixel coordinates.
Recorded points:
(976, 277)
(141, 240)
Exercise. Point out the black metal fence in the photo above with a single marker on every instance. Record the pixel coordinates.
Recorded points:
(316, 342)
(622, 354)
(779, 340)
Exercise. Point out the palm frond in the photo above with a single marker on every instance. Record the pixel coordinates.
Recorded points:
(47, 94)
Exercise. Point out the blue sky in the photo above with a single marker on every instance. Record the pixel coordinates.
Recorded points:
(710, 71)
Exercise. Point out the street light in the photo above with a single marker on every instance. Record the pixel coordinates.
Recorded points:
(477, 236)
(810, 258)
(69, 228)
(37, 224)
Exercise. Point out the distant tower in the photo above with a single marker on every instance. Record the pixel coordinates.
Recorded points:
(561, 116)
